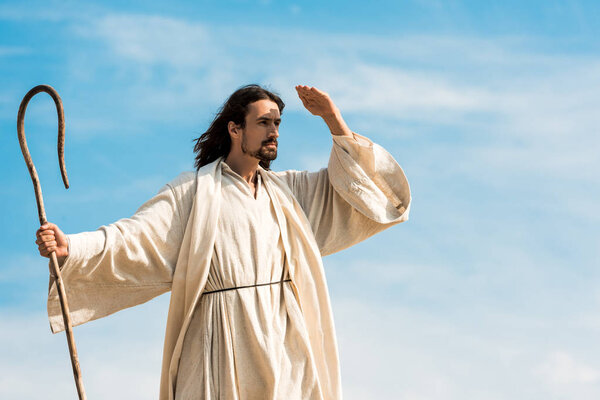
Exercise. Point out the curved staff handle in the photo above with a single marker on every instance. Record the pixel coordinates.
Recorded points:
(42, 213)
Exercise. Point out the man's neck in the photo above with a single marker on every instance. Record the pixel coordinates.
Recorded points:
(244, 166)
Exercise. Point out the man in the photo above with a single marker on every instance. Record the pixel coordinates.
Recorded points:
(240, 248)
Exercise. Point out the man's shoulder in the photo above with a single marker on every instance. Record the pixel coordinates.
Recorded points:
(183, 179)
(183, 186)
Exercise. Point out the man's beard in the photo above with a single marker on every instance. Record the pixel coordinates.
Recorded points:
(263, 153)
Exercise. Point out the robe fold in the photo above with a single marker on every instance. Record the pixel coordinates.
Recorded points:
(168, 244)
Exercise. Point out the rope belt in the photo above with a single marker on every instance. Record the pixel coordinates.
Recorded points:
(245, 287)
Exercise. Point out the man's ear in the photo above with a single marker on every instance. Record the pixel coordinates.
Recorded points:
(233, 129)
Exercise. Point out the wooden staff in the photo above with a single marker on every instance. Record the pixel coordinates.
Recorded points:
(42, 214)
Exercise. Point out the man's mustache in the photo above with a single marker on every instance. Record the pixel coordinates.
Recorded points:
(270, 141)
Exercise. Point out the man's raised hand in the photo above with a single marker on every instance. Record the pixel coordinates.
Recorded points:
(50, 238)
(320, 104)
(316, 101)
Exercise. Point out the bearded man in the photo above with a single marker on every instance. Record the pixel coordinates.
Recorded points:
(239, 246)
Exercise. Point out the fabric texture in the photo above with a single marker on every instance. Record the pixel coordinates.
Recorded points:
(169, 244)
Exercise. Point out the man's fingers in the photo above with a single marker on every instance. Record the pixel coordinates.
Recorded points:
(47, 245)
(313, 95)
(306, 101)
(319, 95)
(301, 93)
(47, 226)
(45, 238)
(306, 97)
(44, 231)
(51, 245)
(302, 90)
(314, 100)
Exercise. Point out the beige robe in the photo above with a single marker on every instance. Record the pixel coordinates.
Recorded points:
(250, 343)
(169, 244)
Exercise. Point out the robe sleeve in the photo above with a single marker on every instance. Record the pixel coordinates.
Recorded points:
(122, 264)
(362, 191)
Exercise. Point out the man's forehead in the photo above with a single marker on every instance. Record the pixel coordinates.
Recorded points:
(266, 108)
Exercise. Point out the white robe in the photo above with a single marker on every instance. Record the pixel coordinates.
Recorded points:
(249, 343)
(169, 245)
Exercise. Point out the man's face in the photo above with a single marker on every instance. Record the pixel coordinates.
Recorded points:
(259, 136)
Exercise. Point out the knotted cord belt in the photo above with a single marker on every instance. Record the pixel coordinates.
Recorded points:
(249, 286)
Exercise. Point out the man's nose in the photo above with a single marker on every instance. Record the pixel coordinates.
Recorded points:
(274, 132)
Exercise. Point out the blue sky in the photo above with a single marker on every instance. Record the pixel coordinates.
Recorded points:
(491, 290)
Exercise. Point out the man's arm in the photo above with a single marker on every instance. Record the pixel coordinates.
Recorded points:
(361, 192)
(121, 264)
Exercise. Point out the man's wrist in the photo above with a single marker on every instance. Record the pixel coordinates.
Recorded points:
(337, 125)
(332, 115)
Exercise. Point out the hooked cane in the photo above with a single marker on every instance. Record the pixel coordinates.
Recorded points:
(42, 213)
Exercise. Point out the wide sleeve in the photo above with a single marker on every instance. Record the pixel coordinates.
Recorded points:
(362, 191)
(122, 264)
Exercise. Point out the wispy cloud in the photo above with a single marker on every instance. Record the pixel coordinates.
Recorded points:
(174, 64)
(123, 350)
(155, 40)
(426, 331)
(561, 368)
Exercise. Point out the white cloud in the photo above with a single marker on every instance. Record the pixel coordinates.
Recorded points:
(453, 331)
(394, 352)
(561, 368)
(406, 331)
(120, 356)
(154, 39)
(444, 80)
(388, 351)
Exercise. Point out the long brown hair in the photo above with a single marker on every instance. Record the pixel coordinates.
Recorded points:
(215, 142)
